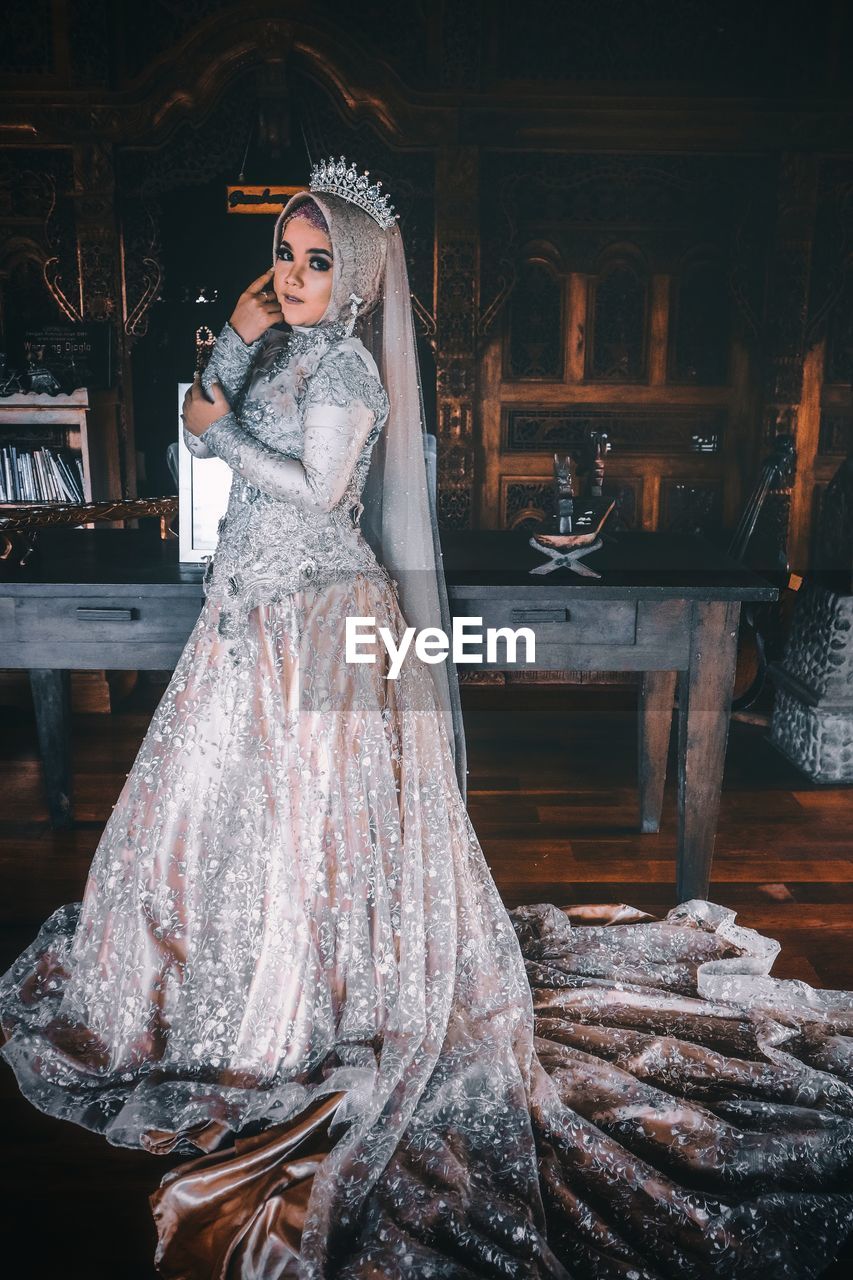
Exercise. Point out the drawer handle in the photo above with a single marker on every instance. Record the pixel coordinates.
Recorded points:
(88, 614)
(539, 615)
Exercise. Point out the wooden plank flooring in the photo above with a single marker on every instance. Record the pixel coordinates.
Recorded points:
(552, 795)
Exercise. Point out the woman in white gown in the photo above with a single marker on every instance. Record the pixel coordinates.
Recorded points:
(291, 955)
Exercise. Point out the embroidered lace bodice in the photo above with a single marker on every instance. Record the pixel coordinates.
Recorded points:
(306, 410)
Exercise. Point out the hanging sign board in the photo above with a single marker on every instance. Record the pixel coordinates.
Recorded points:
(272, 199)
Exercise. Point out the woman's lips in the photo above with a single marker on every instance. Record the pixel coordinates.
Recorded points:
(289, 298)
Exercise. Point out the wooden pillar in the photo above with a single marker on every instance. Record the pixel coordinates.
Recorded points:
(457, 257)
(787, 404)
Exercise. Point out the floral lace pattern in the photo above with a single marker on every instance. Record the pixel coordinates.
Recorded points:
(289, 902)
(292, 519)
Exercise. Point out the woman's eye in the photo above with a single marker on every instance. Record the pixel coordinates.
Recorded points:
(284, 254)
(321, 263)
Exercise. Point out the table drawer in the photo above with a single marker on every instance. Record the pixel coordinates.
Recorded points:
(599, 622)
(104, 619)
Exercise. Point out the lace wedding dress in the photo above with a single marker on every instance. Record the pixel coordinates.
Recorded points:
(291, 956)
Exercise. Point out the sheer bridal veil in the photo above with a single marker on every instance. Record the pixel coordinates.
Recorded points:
(371, 280)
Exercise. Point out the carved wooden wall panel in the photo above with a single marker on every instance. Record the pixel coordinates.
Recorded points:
(534, 348)
(700, 323)
(674, 270)
(617, 317)
(526, 501)
(641, 429)
(39, 276)
(456, 306)
(818, 215)
(27, 47)
(729, 45)
(660, 308)
(690, 506)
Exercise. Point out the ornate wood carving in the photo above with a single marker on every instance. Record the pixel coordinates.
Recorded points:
(100, 86)
(461, 29)
(671, 204)
(839, 326)
(191, 157)
(664, 261)
(831, 284)
(617, 320)
(97, 233)
(535, 344)
(27, 47)
(836, 432)
(456, 293)
(39, 279)
(638, 429)
(690, 507)
(528, 503)
(409, 175)
(175, 63)
(700, 322)
(726, 44)
(786, 346)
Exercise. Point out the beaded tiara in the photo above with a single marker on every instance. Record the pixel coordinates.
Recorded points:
(339, 178)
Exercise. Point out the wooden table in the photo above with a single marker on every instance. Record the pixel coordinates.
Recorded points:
(667, 606)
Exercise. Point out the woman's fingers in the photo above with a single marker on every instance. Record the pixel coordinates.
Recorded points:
(262, 281)
(202, 408)
(257, 309)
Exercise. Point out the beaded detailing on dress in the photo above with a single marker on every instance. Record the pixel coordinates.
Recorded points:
(292, 517)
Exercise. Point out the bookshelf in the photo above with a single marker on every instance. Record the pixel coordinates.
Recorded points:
(59, 424)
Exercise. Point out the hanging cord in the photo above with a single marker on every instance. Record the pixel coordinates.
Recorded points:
(241, 177)
(305, 140)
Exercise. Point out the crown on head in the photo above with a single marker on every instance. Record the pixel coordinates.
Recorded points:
(340, 179)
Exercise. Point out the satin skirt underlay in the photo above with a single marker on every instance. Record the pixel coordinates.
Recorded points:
(292, 965)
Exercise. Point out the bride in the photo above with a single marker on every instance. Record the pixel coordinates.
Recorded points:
(291, 961)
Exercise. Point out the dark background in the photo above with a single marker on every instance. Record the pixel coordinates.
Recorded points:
(628, 216)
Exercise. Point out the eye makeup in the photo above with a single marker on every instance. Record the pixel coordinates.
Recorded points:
(322, 256)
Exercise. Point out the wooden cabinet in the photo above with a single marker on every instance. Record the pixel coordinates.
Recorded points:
(647, 356)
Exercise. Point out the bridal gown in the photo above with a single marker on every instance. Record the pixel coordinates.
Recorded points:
(291, 962)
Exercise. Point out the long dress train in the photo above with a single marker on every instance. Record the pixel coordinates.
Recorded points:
(291, 957)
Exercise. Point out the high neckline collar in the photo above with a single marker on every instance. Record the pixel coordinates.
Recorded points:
(323, 330)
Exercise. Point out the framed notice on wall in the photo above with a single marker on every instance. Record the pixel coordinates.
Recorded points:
(203, 487)
(77, 355)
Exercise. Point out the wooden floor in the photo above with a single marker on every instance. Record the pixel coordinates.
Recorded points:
(552, 797)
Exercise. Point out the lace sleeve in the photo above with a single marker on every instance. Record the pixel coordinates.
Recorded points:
(342, 403)
(229, 364)
(196, 445)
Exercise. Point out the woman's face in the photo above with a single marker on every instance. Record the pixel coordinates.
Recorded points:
(303, 272)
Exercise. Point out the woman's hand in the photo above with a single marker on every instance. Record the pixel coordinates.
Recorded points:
(200, 411)
(257, 309)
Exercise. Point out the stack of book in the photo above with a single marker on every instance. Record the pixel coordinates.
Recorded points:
(39, 475)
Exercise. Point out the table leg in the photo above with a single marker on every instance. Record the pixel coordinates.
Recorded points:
(52, 701)
(704, 705)
(657, 698)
